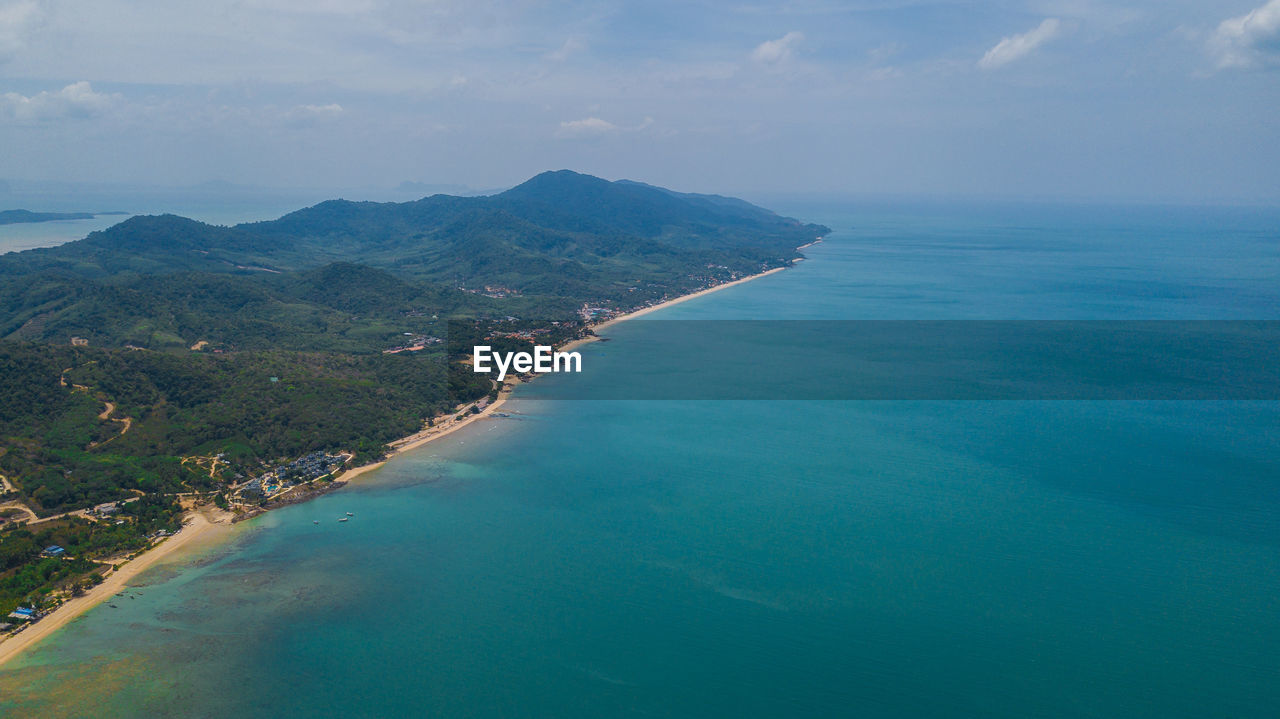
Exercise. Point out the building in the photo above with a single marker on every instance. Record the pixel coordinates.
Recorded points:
(53, 550)
(23, 614)
(106, 509)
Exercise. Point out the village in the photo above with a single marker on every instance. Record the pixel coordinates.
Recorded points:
(277, 485)
(284, 478)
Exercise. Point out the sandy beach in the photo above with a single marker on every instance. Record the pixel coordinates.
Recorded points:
(197, 525)
(673, 301)
(430, 434)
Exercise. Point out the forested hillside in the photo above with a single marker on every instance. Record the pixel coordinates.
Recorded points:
(125, 355)
(310, 279)
(165, 357)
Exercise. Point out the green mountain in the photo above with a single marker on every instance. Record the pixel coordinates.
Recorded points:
(304, 280)
(165, 356)
(179, 326)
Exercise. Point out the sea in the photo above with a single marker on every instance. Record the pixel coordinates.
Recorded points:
(215, 205)
(771, 558)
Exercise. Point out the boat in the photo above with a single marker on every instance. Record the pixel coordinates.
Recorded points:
(315, 521)
(345, 519)
(349, 514)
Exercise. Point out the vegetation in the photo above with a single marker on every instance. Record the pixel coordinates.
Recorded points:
(130, 359)
(27, 576)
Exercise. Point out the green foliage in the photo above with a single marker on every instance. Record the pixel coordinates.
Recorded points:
(25, 575)
(189, 404)
(269, 340)
(352, 277)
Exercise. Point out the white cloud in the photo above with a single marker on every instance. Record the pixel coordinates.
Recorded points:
(773, 52)
(16, 20)
(77, 100)
(586, 127)
(594, 127)
(570, 47)
(330, 110)
(309, 115)
(1017, 46)
(1249, 41)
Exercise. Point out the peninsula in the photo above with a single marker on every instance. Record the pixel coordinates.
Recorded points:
(164, 376)
(14, 217)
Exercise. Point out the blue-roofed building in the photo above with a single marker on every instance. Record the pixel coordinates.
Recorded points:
(54, 550)
(23, 613)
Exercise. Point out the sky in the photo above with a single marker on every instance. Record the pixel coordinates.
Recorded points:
(1145, 100)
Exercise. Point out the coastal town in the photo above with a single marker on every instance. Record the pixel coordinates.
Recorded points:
(71, 571)
(80, 572)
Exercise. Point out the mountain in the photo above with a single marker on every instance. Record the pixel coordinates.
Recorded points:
(552, 243)
(165, 356)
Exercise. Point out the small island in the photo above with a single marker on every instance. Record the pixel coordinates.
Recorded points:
(15, 217)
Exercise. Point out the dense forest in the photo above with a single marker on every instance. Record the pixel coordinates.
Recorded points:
(348, 276)
(128, 354)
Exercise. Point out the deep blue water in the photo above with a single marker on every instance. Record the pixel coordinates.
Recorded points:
(773, 558)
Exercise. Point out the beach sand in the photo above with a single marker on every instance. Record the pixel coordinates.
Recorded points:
(430, 434)
(197, 526)
(674, 301)
(209, 524)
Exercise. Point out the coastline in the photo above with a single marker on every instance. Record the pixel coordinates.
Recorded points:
(430, 434)
(663, 305)
(196, 524)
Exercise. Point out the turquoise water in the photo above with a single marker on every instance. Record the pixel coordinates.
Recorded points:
(738, 558)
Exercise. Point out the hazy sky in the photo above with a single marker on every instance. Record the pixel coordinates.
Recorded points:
(1133, 99)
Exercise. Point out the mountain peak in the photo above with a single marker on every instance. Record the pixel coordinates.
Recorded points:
(553, 181)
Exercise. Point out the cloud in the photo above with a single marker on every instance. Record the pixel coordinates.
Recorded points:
(1249, 41)
(77, 100)
(311, 115)
(773, 52)
(570, 47)
(594, 127)
(586, 127)
(330, 110)
(1014, 47)
(16, 20)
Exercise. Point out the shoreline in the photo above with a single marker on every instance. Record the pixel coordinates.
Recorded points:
(194, 527)
(196, 524)
(430, 434)
(663, 305)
